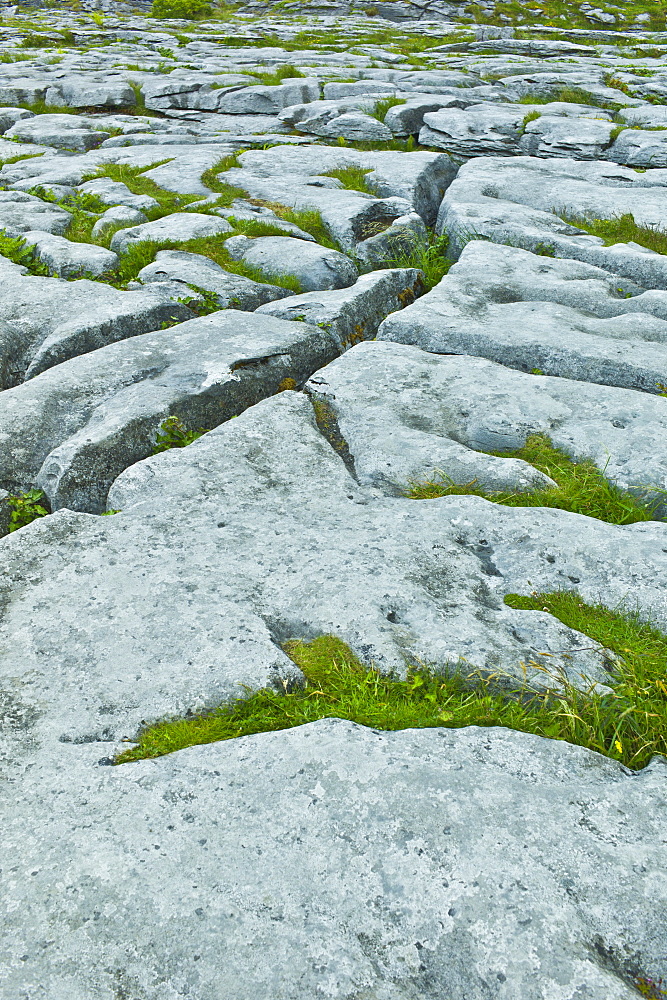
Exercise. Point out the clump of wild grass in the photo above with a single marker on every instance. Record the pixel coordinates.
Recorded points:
(629, 724)
(352, 178)
(429, 254)
(580, 487)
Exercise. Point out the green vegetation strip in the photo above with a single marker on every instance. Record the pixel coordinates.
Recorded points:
(580, 487)
(622, 229)
(629, 724)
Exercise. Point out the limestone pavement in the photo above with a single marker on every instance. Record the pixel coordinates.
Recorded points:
(238, 224)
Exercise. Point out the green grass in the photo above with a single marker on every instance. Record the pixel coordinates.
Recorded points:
(286, 72)
(382, 107)
(309, 220)
(430, 256)
(213, 247)
(352, 178)
(227, 193)
(532, 116)
(25, 508)
(622, 229)
(581, 487)
(134, 179)
(569, 95)
(629, 724)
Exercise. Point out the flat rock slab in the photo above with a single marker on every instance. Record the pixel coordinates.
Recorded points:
(562, 317)
(293, 176)
(185, 273)
(74, 428)
(44, 321)
(258, 530)
(314, 266)
(21, 212)
(522, 202)
(67, 259)
(178, 228)
(430, 863)
(405, 413)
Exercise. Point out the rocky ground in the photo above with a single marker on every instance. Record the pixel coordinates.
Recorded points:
(247, 223)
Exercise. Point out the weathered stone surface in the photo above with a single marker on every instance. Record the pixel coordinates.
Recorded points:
(62, 131)
(85, 92)
(269, 100)
(115, 193)
(291, 520)
(316, 267)
(67, 259)
(190, 271)
(178, 227)
(75, 428)
(638, 148)
(404, 412)
(512, 200)
(119, 216)
(242, 518)
(44, 321)
(528, 312)
(459, 863)
(355, 313)
(20, 212)
(580, 138)
(402, 183)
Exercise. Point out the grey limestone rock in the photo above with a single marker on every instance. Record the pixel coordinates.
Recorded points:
(269, 100)
(529, 312)
(405, 413)
(638, 148)
(486, 129)
(44, 321)
(86, 91)
(61, 131)
(353, 125)
(354, 313)
(579, 138)
(73, 429)
(178, 227)
(21, 212)
(67, 259)
(115, 193)
(119, 216)
(9, 117)
(316, 267)
(512, 200)
(262, 518)
(190, 271)
(401, 182)
(317, 114)
(428, 862)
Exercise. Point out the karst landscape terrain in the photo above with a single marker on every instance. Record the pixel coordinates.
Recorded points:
(333, 500)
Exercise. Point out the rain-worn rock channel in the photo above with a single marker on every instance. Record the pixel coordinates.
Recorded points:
(356, 246)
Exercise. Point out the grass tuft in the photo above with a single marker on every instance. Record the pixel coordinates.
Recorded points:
(352, 178)
(429, 255)
(581, 487)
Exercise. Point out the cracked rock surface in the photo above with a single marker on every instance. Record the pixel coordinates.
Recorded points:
(352, 248)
